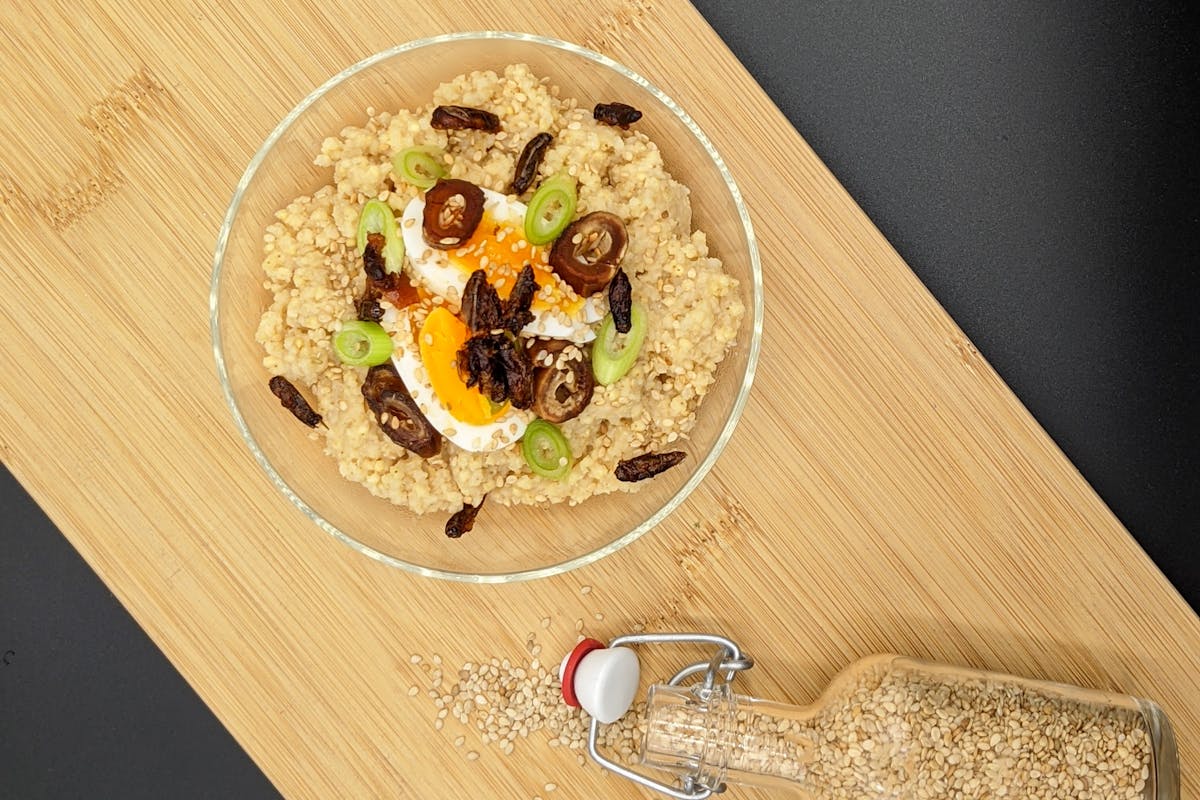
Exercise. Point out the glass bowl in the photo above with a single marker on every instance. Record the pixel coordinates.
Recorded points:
(508, 543)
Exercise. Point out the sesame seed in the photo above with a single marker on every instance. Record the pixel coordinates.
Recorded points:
(585, 590)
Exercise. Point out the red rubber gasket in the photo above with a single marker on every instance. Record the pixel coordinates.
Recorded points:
(568, 679)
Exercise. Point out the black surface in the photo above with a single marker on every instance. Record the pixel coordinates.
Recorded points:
(89, 707)
(1034, 164)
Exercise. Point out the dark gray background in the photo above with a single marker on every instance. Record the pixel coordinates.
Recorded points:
(1035, 165)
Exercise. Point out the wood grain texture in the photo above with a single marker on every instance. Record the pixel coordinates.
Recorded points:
(912, 504)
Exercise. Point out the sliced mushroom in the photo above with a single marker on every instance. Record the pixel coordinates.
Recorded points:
(397, 412)
(562, 382)
(586, 255)
(453, 209)
(543, 351)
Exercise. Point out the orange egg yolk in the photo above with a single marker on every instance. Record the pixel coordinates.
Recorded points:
(441, 337)
(501, 251)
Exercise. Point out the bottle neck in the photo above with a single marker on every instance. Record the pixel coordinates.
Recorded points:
(715, 736)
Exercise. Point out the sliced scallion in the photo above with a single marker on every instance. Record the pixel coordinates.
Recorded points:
(613, 353)
(550, 209)
(419, 166)
(377, 217)
(362, 344)
(546, 450)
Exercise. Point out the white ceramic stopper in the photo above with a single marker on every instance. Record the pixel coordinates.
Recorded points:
(605, 682)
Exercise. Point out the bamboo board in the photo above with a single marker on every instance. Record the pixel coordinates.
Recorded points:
(913, 504)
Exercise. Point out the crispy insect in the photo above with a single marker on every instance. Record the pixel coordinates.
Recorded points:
(462, 521)
(291, 399)
(368, 307)
(373, 263)
(518, 374)
(620, 301)
(475, 362)
(516, 313)
(394, 287)
(464, 118)
(499, 367)
(618, 114)
(480, 304)
(647, 465)
(528, 163)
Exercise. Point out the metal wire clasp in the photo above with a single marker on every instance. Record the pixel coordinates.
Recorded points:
(728, 659)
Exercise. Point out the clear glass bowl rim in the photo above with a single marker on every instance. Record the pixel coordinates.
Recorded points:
(572, 563)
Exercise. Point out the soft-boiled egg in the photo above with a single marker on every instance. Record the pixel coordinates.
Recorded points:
(499, 248)
(427, 362)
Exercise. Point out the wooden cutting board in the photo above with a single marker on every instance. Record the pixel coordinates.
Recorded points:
(885, 491)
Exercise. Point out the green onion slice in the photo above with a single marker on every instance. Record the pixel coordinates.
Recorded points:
(546, 450)
(362, 344)
(613, 353)
(420, 166)
(550, 209)
(377, 217)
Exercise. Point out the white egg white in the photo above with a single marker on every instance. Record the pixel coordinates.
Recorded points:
(432, 267)
(500, 433)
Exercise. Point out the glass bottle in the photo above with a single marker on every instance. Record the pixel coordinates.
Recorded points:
(894, 728)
